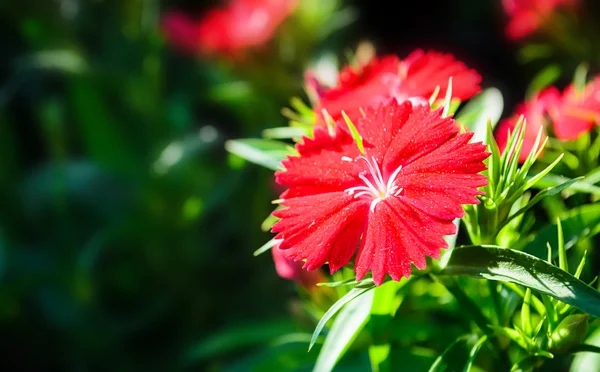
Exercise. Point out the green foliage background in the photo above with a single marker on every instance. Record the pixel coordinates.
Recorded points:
(126, 231)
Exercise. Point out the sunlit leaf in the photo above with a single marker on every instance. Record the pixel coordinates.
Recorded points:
(344, 330)
(263, 152)
(507, 265)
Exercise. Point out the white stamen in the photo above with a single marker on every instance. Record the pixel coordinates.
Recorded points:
(376, 188)
(346, 158)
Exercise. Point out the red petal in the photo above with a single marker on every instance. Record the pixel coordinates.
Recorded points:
(439, 182)
(422, 72)
(321, 228)
(417, 136)
(396, 236)
(371, 85)
(577, 112)
(320, 167)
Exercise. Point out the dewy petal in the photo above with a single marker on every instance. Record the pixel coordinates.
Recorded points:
(422, 72)
(397, 236)
(321, 228)
(322, 166)
(356, 89)
(400, 196)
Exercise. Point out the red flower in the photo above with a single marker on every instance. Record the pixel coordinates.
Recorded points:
(571, 114)
(397, 199)
(292, 270)
(239, 25)
(414, 78)
(576, 112)
(534, 112)
(527, 16)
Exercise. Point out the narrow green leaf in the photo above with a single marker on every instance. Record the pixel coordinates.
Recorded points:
(507, 265)
(456, 355)
(473, 354)
(562, 251)
(355, 292)
(285, 132)
(541, 195)
(526, 314)
(448, 98)
(267, 153)
(581, 223)
(266, 247)
(385, 304)
(344, 330)
(354, 132)
(580, 266)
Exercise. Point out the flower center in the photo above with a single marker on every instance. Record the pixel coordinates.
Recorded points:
(375, 187)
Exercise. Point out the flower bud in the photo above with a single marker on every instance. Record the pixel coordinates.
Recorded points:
(569, 333)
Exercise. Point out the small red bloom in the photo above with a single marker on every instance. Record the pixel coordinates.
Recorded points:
(575, 113)
(571, 114)
(527, 16)
(534, 111)
(414, 78)
(292, 270)
(396, 200)
(239, 25)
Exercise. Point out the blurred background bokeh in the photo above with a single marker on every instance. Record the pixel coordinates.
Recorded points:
(126, 229)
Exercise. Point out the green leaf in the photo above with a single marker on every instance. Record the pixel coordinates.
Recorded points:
(543, 79)
(385, 304)
(456, 356)
(266, 247)
(507, 265)
(483, 108)
(344, 330)
(285, 132)
(473, 354)
(354, 132)
(263, 152)
(581, 223)
(541, 195)
(447, 99)
(584, 186)
(355, 292)
(469, 308)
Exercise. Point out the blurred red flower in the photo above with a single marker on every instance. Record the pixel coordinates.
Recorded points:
(292, 270)
(534, 111)
(571, 114)
(415, 78)
(237, 26)
(527, 16)
(397, 199)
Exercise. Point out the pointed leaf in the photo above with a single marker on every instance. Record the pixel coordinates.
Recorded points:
(351, 295)
(507, 265)
(343, 331)
(263, 152)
